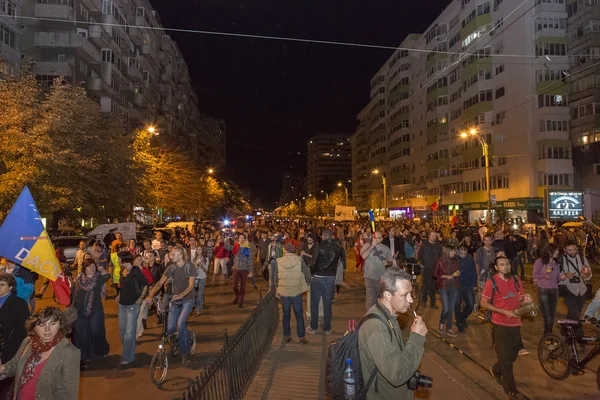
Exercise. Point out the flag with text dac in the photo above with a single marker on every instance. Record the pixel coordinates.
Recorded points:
(24, 240)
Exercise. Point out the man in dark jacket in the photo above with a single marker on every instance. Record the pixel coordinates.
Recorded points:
(323, 269)
(430, 251)
(467, 280)
(396, 245)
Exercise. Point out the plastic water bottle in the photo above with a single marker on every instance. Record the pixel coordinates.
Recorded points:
(350, 388)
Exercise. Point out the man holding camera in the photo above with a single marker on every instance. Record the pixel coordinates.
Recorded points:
(502, 294)
(381, 347)
(574, 271)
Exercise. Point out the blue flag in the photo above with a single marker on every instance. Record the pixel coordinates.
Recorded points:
(24, 240)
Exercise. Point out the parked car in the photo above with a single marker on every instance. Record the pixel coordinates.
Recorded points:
(70, 244)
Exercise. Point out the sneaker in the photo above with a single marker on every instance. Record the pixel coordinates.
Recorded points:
(523, 352)
(514, 396)
(241, 305)
(496, 377)
(442, 329)
(329, 332)
(235, 301)
(451, 333)
(287, 339)
(303, 341)
(186, 359)
(311, 331)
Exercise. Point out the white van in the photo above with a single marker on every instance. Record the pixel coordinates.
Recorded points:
(128, 229)
(181, 225)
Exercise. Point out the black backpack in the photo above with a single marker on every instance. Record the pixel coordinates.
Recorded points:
(343, 348)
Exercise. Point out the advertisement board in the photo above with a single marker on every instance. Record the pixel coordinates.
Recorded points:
(344, 213)
(565, 205)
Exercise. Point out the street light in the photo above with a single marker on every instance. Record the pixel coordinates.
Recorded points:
(151, 129)
(383, 180)
(340, 184)
(484, 146)
(210, 171)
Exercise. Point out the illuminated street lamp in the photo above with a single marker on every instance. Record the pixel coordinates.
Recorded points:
(383, 180)
(210, 171)
(484, 146)
(340, 184)
(151, 129)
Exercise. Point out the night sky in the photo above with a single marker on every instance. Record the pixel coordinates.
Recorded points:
(274, 95)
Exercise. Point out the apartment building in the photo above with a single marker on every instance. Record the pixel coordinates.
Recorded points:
(329, 159)
(126, 62)
(497, 68)
(10, 36)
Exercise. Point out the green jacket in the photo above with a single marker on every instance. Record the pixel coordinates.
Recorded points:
(395, 360)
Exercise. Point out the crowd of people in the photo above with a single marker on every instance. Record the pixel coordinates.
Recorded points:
(468, 266)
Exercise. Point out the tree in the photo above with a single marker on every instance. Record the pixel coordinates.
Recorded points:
(58, 142)
(310, 206)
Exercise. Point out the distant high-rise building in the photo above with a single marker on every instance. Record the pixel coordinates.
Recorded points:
(291, 187)
(329, 161)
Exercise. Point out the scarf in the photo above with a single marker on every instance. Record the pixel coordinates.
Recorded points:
(88, 285)
(37, 348)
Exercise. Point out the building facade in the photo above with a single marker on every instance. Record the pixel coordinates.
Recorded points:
(329, 162)
(496, 68)
(10, 36)
(127, 63)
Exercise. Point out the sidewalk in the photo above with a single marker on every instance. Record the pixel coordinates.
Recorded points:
(295, 371)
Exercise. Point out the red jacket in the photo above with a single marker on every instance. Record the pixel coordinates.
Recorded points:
(220, 251)
(446, 267)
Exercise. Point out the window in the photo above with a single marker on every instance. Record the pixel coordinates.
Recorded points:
(554, 179)
(8, 37)
(9, 7)
(550, 49)
(139, 12)
(107, 56)
(83, 68)
(499, 92)
(83, 32)
(546, 100)
(499, 69)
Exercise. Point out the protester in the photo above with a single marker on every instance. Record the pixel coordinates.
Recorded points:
(428, 255)
(446, 275)
(546, 275)
(502, 295)
(467, 280)
(377, 258)
(46, 366)
(385, 354)
(291, 279)
(89, 334)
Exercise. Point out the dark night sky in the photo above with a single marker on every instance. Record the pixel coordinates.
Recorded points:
(274, 95)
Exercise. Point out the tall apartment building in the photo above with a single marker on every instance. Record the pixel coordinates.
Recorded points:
(329, 159)
(496, 67)
(584, 49)
(127, 63)
(10, 36)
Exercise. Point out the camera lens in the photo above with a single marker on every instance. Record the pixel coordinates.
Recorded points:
(425, 381)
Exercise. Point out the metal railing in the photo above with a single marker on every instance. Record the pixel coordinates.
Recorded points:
(229, 373)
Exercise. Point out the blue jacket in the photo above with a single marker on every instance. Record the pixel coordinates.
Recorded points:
(468, 272)
(409, 250)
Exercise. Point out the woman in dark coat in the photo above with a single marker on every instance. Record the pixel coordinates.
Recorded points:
(89, 334)
(14, 312)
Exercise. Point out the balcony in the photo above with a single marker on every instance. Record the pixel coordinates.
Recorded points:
(168, 69)
(98, 36)
(164, 89)
(135, 115)
(101, 88)
(138, 100)
(53, 68)
(134, 74)
(54, 11)
(67, 40)
(166, 77)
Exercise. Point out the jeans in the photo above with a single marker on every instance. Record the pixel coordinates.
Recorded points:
(448, 297)
(321, 287)
(321, 314)
(592, 308)
(178, 322)
(127, 328)
(200, 295)
(428, 286)
(516, 263)
(508, 344)
(239, 279)
(548, 300)
(574, 307)
(462, 313)
(296, 303)
(372, 287)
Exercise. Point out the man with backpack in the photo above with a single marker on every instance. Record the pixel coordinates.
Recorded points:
(502, 294)
(386, 361)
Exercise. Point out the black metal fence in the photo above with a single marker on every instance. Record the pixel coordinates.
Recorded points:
(228, 374)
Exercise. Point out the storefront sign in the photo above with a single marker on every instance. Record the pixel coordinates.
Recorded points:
(565, 206)
(517, 204)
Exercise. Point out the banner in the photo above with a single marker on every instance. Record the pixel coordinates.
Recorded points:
(24, 240)
(344, 213)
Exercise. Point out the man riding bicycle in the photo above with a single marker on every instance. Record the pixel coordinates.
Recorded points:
(183, 274)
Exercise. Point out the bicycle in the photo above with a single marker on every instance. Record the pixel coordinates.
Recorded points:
(414, 270)
(559, 356)
(160, 362)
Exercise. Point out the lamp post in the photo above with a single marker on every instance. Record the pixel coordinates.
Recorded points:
(383, 180)
(486, 155)
(345, 190)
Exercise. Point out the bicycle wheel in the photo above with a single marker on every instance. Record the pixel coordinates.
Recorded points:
(554, 356)
(159, 367)
(416, 296)
(192, 336)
